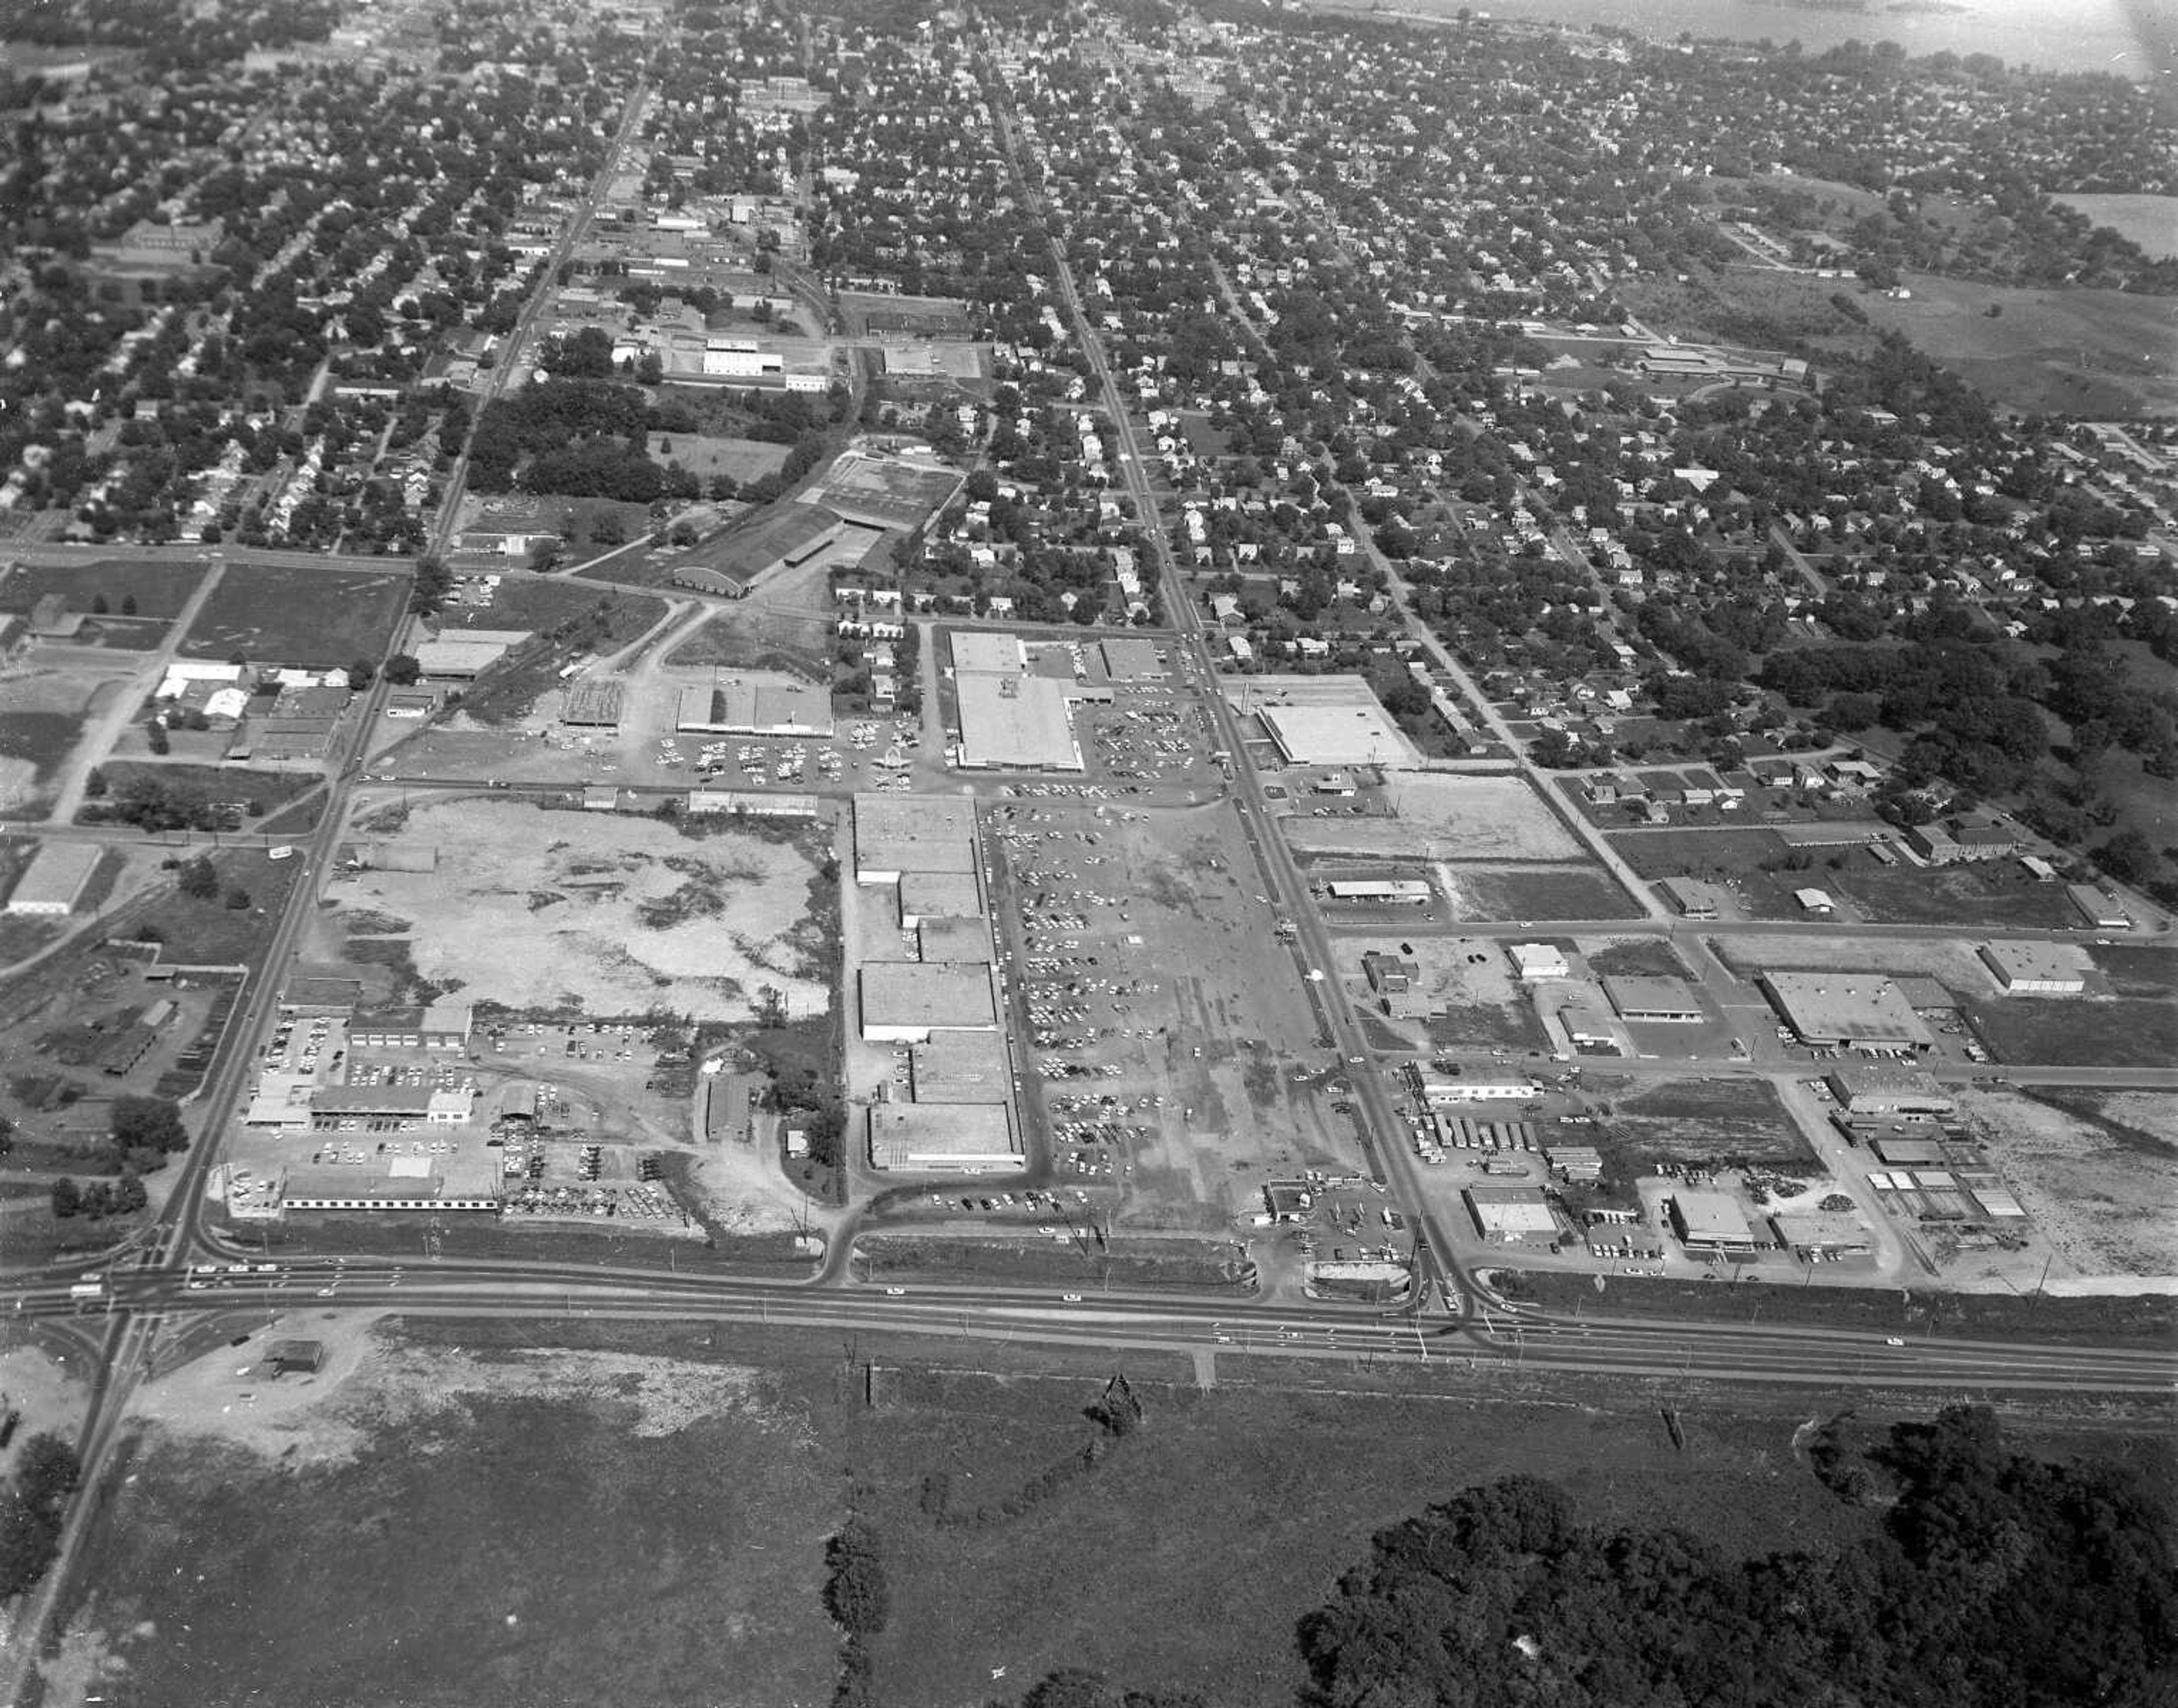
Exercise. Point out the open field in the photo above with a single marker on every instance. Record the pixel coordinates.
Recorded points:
(705, 454)
(736, 640)
(39, 739)
(519, 1529)
(2138, 970)
(654, 1525)
(48, 701)
(2096, 1171)
(2151, 222)
(605, 913)
(211, 933)
(158, 589)
(315, 617)
(1714, 855)
(257, 792)
(567, 621)
(2078, 1032)
(2075, 353)
(1953, 962)
(1441, 817)
(1994, 893)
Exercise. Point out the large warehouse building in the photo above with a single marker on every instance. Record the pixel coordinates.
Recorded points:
(1335, 734)
(1866, 1088)
(2027, 968)
(937, 896)
(952, 1137)
(953, 1066)
(1846, 1011)
(905, 1001)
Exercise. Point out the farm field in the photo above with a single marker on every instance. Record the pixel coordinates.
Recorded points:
(314, 618)
(1441, 817)
(158, 590)
(2096, 1172)
(605, 913)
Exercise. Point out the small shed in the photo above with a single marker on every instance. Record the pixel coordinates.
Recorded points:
(295, 1357)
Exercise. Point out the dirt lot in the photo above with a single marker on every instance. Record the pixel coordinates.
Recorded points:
(2096, 1172)
(1209, 1013)
(1442, 817)
(1478, 892)
(305, 617)
(607, 913)
(519, 1527)
(1703, 1121)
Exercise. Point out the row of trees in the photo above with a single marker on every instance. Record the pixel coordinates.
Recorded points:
(31, 1507)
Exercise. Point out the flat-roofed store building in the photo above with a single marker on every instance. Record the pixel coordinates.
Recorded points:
(323, 1189)
(954, 939)
(1016, 723)
(1883, 1089)
(745, 705)
(925, 895)
(330, 1104)
(1472, 1087)
(437, 1026)
(943, 1138)
(1846, 1011)
(1507, 1214)
(1653, 1002)
(905, 1001)
(1132, 660)
(980, 652)
(900, 833)
(1335, 734)
(1399, 893)
(54, 883)
(1537, 961)
(1706, 1219)
(951, 1067)
(2035, 969)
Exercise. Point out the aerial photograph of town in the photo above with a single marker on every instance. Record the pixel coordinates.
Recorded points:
(1088, 854)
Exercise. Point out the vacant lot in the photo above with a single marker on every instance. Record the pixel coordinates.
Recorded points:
(157, 590)
(1953, 962)
(1535, 893)
(1446, 818)
(543, 909)
(1708, 1121)
(2134, 971)
(38, 739)
(2096, 1171)
(1994, 893)
(314, 618)
(1712, 855)
(519, 1528)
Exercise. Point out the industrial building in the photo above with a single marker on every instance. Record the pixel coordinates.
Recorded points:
(1706, 1219)
(2034, 969)
(2103, 911)
(755, 705)
(1653, 1002)
(1015, 723)
(1347, 734)
(895, 834)
(1507, 1214)
(55, 882)
(952, 1067)
(1846, 1011)
(1536, 962)
(952, 1138)
(905, 1001)
(1815, 1236)
(1865, 1089)
(1587, 1026)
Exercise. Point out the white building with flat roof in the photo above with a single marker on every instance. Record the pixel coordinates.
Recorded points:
(943, 1138)
(905, 1001)
(2027, 969)
(54, 883)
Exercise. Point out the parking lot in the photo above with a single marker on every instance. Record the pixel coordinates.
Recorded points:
(1173, 1045)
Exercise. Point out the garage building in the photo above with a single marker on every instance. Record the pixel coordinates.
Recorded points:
(756, 706)
(1510, 1212)
(1706, 1219)
(1812, 1234)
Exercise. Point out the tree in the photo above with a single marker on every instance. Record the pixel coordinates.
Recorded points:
(856, 1592)
(200, 879)
(402, 669)
(149, 1123)
(154, 733)
(67, 1198)
(361, 673)
(238, 897)
(2128, 857)
(95, 785)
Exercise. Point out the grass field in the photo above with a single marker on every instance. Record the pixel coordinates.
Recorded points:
(2151, 222)
(265, 791)
(311, 618)
(2137, 971)
(2056, 1032)
(1701, 1120)
(160, 590)
(1994, 893)
(728, 640)
(1708, 855)
(705, 454)
(1538, 892)
(210, 933)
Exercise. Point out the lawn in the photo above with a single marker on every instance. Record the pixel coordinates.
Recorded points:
(308, 618)
(159, 590)
(705, 454)
(1699, 853)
